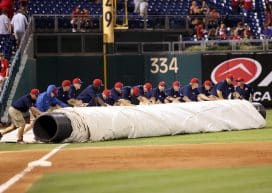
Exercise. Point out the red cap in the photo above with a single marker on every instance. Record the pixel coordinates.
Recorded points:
(118, 85)
(240, 79)
(35, 91)
(66, 83)
(176, 83)
(194, 80)
(230, 76)
(106, 92)
(135, 91)
(97, 82)
(55, 91)
(77, 81)
(148, 86)
(207, 83)
(162, 83)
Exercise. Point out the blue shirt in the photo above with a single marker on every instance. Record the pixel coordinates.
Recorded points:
(244, 92)
(224, 87)
(63, 95)
(73, 93)
(24, 103)
(202, 90)
(108, 100)
(190, 93)
(172, 93)
(115, 95)
(88, 94)
(147, 94)
(126, 94)
(45, 101)
(158, 95)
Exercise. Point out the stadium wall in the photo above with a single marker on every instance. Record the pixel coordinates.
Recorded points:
(137, 69)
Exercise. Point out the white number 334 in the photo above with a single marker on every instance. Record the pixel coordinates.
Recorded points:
(163, 65)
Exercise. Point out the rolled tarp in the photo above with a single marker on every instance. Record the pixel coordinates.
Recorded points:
(108, 123)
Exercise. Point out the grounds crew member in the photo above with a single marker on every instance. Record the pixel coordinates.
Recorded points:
(205, 91)
(224, 89)
(104, 99)
(74, 91)
(173, 94)
(130, 96)
(88, 97)
(245, 91)
(47, 101)
(145, 93)
(17, 112)
(63, 91)
(158, 94)
(116, 93)
(190, 92)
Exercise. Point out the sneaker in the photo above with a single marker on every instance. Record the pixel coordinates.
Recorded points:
(21, 142)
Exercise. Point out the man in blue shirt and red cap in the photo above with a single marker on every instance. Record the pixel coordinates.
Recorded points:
(158, 94)
(224, 89)
(190, 92)
(74, 91)
(116, 92)
(145, 93)
(89, 95)
(63, 91)
(18, 111)
(245, 91)
(130, 96)
(205, 91)
(174, 94)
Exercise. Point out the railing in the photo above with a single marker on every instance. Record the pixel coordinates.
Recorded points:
(79, 44)
(7, 87)
(62, 23)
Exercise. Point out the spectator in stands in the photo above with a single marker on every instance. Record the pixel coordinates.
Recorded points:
(199, 31)
(86, 20)
(247, 32)
(136, 6)
(235, 4)
(212, 34)
(247, 6)
(19, 24)
(143, 8)
(23, 5)
(8, 7)
(204, 7)
(76, 19)
(213, 18)
(239, 30)
(268, 17)
(194, 9)
(4, 70)
(267, 32)
(222, 31)
(5, 27)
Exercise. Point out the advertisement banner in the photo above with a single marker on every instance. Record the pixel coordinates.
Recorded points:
(256, 69)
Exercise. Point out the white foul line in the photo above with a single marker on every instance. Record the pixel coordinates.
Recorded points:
(29, 168)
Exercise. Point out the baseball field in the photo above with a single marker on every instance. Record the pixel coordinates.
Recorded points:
(236, 162)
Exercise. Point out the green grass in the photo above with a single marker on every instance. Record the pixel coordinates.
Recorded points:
(234, 180)
(221, 137)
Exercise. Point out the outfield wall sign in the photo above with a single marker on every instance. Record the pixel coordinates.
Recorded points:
(256, 69)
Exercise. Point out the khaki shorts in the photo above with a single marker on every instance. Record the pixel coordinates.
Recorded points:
(17, 117)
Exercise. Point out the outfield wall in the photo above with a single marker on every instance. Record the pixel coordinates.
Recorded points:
(137, 69)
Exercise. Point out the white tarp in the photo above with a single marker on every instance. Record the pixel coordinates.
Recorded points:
(106, 123)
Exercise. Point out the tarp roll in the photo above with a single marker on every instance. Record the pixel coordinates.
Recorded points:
(107, 123)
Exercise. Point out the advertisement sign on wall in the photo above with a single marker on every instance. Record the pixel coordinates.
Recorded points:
(256, 69)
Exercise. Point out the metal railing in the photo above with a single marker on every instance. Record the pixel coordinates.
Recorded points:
(7, 87)
(62, 23)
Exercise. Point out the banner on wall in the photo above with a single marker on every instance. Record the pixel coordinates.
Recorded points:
(256, 69)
